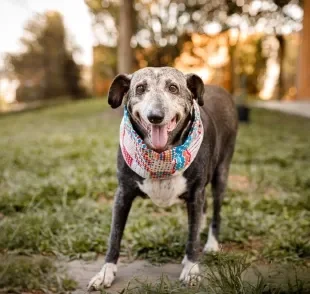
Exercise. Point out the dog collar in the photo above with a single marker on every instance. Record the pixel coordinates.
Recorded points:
(148, 163)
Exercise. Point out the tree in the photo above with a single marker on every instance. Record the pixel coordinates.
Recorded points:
(158, 31)
(126, 31)
(303, 85)
(105, 19)
(53, 48)
(161, 26)
(45, 67)
(72, 77)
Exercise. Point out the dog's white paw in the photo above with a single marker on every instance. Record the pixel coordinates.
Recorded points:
(212, 244)
(104, 278)
(190, 274)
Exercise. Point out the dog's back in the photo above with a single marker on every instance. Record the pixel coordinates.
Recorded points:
(220, 108)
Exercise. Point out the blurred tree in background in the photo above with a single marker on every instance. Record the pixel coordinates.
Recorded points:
(162, 28)
(46, 68)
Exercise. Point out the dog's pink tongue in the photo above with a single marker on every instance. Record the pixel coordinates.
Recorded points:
(159, 136)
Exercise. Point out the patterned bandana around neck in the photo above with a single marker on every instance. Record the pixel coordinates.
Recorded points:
(147, 163)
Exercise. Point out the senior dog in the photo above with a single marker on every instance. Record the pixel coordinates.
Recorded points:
(177, 135)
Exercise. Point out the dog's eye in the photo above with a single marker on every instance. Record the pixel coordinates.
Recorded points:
(140, 89)
(173, 89)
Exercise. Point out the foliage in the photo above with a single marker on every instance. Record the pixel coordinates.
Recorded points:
(251, 62)
(163, 29)
(46, 67)
(159, 22)
(105, 15)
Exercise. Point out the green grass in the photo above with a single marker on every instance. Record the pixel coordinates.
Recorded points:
(18, 273)
(58, 177)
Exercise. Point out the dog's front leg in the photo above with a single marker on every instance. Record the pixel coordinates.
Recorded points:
(195, 203)
(122, 205)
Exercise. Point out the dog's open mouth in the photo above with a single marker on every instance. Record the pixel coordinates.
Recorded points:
(159, 134)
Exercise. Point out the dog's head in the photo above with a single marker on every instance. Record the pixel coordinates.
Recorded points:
(159, 101)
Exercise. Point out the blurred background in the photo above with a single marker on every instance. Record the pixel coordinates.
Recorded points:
(52, 51)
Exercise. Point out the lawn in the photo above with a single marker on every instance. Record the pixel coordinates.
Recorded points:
(57, 179)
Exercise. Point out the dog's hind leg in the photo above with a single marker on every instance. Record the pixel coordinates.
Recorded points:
(204, 212)
(122, 205)
(219, 182)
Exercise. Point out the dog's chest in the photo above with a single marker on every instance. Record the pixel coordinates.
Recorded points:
(164, 193)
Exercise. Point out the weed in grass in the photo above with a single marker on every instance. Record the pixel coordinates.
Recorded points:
(225, 275)
(291, 246)
(297, 286)
(22, 274)
(70, 230)
(157, 237)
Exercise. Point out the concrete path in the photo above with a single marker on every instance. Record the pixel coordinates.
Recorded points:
(301, 108)
(83, 271)
(141, 270)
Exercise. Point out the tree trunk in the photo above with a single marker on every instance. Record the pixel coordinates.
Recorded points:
(281, 56)
(232, 68)
(303, 83)
(126, 25)
(232, 61)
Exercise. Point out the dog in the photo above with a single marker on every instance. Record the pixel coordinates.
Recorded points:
(161, 107)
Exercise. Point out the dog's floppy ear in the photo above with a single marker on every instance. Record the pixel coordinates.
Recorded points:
(196, 86)
(118, 89)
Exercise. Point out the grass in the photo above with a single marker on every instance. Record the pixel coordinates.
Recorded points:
(57, 180)
(18, 273)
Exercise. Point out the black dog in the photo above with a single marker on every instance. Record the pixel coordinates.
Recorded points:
(160, 102)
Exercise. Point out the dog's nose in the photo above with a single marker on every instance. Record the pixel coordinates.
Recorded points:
(155, 116)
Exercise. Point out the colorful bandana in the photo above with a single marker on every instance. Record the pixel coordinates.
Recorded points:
(147, 163)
